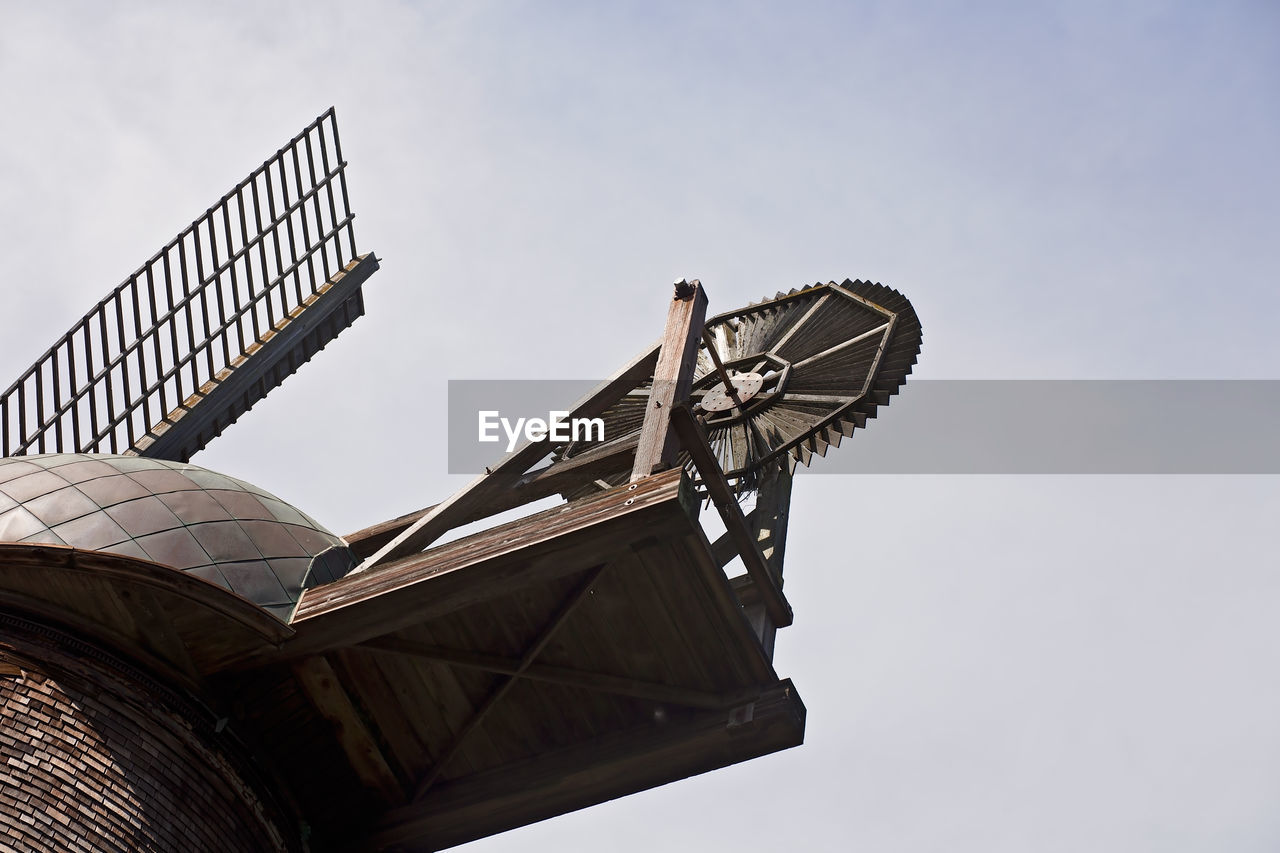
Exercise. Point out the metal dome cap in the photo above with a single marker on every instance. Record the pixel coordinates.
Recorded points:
(217, 528)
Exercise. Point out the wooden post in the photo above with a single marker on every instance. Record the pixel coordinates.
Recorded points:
(769, 524)
(672, 378)
(760, 576)
(773, 506)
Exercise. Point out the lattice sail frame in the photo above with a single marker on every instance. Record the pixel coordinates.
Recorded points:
(212, 322)
(828, 356)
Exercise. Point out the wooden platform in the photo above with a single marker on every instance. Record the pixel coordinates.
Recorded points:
(580, 654)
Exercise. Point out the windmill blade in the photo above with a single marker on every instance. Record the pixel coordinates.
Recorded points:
(214, 321)
(809, 367)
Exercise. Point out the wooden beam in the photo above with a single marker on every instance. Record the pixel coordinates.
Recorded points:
(541, 483)
(321, 684)
(768, 522)
(597, 770)
(694, 440)
(672, 378)
(723, 549)
(883, 331)
(482, 495)
(722, 601)
(632, 687)
(770, 517)
(548, 631)
(555, 543)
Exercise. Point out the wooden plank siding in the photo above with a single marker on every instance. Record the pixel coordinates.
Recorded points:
(613, 765)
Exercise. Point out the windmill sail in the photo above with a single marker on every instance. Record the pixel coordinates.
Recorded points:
(814, 365)
(210, 324)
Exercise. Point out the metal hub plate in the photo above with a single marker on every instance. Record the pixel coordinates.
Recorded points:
(719, 400)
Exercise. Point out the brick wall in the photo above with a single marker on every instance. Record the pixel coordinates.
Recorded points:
(95, 757)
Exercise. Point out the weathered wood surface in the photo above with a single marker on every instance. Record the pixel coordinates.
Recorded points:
(622, 686)
(475, 500)
(694, 440)
(540, 547)
(174, 623)
(564, 610)
(321, 684)
(616, 764)
(768, 522)
(445, 670)
(828, 356)
(565, 474)
(672, 378)
(520, 651)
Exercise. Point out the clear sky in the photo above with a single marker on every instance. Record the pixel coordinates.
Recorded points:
(1080, 190)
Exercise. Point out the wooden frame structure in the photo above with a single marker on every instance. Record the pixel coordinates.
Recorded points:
(590, 650)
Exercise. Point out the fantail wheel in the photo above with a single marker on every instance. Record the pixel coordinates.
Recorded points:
(805, 369)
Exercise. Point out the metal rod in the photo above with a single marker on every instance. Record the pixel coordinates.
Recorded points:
(720, 368)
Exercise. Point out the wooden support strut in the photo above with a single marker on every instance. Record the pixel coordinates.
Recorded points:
(530, 655)
(600, 682)
(488, 494)
(694, 440)
(321, 683)
(593, 771)
(538, 483)
(768, 523)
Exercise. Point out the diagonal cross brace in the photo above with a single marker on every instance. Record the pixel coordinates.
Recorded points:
(694, 440)
(599, 682)
(486, 494)
(566, 609)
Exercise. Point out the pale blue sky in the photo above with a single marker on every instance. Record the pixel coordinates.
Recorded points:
(1080, 190)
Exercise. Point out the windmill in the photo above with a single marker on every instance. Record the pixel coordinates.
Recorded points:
(384, 690)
